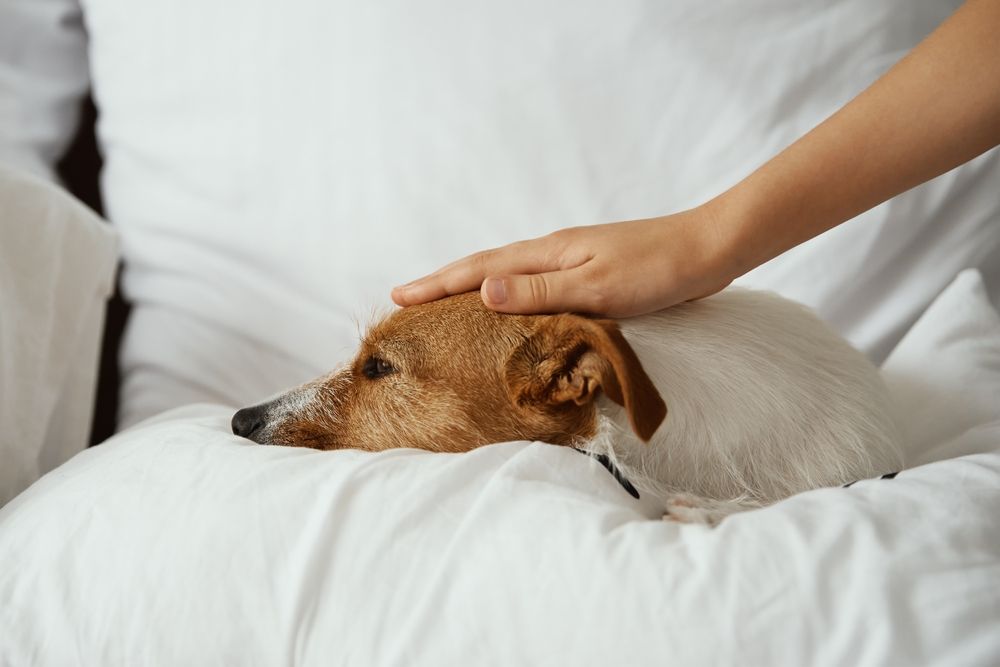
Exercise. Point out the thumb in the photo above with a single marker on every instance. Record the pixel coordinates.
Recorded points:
(558, 291)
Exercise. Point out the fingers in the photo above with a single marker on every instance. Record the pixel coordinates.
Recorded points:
(428, 288)
(553, 292)
(468, 273)
(455, 278)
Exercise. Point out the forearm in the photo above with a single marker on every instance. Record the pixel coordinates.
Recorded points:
(936, 109)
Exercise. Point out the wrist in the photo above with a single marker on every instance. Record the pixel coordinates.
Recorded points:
(752, 223)
(725, 252)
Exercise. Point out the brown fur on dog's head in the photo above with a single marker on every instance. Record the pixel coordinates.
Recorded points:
(452, 375)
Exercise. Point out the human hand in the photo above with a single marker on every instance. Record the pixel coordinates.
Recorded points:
(617, 270)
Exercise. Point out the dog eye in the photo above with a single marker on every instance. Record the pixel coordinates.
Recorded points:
(375, 368)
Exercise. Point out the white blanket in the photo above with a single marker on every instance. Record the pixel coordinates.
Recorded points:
(178, 544)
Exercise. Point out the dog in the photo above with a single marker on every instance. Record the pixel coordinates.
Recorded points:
(714, 406)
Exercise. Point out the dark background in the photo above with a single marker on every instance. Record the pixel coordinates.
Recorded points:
(80, 171)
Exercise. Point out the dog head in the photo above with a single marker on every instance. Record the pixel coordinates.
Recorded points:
(452, 375)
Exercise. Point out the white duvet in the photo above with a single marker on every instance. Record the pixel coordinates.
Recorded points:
(176, 543)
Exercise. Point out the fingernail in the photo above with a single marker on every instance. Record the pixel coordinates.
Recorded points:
(496, 290)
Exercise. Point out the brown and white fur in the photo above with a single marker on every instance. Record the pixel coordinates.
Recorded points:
(715, 406)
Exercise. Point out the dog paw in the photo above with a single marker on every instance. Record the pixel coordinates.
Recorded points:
(686, 508)
(689, 508)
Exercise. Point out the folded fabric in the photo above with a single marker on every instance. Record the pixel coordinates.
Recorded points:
(57, 264)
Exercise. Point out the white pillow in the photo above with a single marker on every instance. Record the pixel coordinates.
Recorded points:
(945, 373)
(57, 264)
(275, 170)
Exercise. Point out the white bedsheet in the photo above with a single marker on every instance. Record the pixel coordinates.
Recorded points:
(176, 543)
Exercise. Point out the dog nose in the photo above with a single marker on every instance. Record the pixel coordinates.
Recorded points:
(248, 421)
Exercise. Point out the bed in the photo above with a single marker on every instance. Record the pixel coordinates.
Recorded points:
(271, 173)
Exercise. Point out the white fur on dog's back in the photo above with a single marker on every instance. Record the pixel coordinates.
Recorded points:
(764, 401)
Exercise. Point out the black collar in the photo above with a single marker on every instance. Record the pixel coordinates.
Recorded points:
(606, 462)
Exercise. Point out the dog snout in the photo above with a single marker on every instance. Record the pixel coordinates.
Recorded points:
(249, 422)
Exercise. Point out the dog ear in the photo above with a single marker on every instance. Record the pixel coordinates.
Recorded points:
(571, 359)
